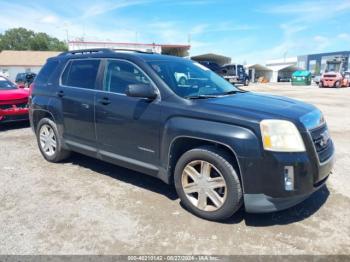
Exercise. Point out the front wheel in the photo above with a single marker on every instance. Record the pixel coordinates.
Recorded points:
(183, 81)
(208, 184)
(49, 142)
(246, 82)
(320, 85)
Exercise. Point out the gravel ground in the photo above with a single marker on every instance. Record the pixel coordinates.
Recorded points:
(85, 206)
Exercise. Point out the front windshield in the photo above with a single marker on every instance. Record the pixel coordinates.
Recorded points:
(190, 79)
(6, 85)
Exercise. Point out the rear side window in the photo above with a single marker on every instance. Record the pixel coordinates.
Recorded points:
(81, 73)
(45, 73)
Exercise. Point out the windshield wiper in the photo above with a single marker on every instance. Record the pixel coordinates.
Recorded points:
(201, 96)
(232, 92)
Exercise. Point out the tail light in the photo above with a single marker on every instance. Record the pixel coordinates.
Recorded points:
(31, 89)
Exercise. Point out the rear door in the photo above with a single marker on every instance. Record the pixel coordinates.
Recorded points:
(127, 127)
(77, 90)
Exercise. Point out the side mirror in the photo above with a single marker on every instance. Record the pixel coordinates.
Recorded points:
(141, 91)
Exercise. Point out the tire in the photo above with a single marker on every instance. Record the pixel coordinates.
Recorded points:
(47, 135)
(337, 84)
(246, 82)
(320, 85)
(182, 81)
(228, 199)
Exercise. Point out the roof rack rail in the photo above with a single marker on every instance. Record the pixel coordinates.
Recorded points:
(132, 50)
(86, 51)
(102, 50)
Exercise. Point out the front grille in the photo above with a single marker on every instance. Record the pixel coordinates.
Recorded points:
(322, 142)
(10, 106)
(4, 107)
(23, 105)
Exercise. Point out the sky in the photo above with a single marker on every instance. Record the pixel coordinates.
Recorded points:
(249, 31)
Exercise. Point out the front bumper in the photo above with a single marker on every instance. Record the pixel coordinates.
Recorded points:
(261, 203)
(14, 115)
(263, 178)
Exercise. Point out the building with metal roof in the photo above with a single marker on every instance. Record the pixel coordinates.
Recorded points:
(167, 49)
(14, 62)
(219, 59)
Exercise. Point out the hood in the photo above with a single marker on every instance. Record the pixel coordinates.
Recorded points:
(256, 107)
(13, 94)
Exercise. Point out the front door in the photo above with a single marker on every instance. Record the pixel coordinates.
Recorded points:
(127, 128)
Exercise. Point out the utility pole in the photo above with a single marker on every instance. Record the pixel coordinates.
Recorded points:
(285, 56)
(189, 43)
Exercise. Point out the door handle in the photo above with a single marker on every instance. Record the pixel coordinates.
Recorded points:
(86, 106)
(104, 101)
(60, 93)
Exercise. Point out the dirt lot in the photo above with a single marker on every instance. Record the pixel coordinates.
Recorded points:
(85, 206)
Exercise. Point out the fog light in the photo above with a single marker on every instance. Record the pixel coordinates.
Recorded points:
(288, 178)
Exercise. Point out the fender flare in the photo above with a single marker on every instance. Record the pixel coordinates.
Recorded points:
(241, 141)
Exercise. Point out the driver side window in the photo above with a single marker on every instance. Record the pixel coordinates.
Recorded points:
(120, 74)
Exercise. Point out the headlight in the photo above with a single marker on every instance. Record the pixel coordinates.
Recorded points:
(281, 136)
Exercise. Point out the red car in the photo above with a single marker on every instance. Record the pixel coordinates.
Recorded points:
(13, 102)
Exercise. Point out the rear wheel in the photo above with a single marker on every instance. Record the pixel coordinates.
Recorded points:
(49, 142)
(207, 183)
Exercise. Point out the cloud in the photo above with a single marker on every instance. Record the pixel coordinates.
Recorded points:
(40, 19)
(301, 17)
(199, 29)
(315, 8)
(344, 36)
(49, 19)
(321, 42)
(102, 7)
(194, 2)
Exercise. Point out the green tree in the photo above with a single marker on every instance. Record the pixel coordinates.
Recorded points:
(23, 39)
(16, 39)
(44, 42)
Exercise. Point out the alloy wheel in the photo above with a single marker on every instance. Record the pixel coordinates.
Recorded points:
(48, 141)
(204, 185)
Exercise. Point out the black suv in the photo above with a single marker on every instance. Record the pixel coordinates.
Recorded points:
(220, 146)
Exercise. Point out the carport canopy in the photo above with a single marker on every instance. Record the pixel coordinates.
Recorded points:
(219, 59)
(277, 68)
(258, 72)
(259, 67)
(284, 69)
